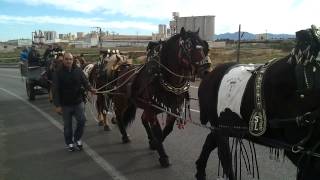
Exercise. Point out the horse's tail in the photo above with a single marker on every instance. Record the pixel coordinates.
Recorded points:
(129, 115)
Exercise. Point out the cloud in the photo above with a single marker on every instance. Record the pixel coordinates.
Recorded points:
(84, 22)
(256, 16)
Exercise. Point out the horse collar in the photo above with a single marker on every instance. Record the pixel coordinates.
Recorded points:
(258, 120)
(176, 90)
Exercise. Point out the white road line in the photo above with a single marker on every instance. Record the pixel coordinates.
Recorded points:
(115, 175)
(195, 87)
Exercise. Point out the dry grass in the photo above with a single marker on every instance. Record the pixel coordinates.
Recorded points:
(247, 55)
(251, 55)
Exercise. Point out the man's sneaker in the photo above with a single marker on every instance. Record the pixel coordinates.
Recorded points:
(79, 145)
(71, 147)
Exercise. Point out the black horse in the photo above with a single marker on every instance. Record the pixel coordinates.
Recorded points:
(289, 95)
(159, 85)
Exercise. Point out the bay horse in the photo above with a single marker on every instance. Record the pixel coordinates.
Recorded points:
(100, 74)
(288, 97)
(159, 85)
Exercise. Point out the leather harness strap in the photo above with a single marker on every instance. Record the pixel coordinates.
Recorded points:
(258, 120)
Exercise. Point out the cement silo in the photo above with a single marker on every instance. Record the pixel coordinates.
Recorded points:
(205, 24)
(163, 30)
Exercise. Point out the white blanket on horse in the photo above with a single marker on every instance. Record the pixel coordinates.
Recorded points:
(87, 70)
(232, 88)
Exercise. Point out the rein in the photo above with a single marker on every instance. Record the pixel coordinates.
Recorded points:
(137, 70)
(296, 148)
(171, 72)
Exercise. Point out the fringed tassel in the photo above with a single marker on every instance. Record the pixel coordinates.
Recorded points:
(276, 153)
(255, 159)
(245, 157)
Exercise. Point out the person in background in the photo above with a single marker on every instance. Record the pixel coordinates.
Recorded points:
(68, 99)
(77, 62)
(54, 66)
(48, 53)
(34, 57)
(24, 55)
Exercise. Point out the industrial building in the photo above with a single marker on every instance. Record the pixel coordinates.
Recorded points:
(205, 24)
(50, 35)
(80, 35)
(162, 33)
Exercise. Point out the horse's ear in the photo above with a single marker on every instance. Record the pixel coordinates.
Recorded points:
(118, 57)
(182, 31)
(197, 32)
(206, 48)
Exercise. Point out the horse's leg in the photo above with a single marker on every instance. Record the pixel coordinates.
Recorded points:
(104, 110)
(225, 155)
(122, 129)
(50, 94)
(99, 110)
(306, 170)
(106, 126)
(100, 123)
(169, 126)
(147, 127)
(209, 145)
(120, 115)
(110, 107)
(157, 141)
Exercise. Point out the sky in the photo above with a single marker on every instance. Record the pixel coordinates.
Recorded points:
(18, 18)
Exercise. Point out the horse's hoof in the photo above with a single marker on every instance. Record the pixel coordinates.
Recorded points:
(106, 128)
(152, 145)
(100, 123)
(164, 162)
(200, 176)
(125, 139)
(113, 121)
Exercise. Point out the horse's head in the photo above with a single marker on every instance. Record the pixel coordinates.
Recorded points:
(116, 60)
(307, 45)
(307, 76)
(304, 59)
(190, 49)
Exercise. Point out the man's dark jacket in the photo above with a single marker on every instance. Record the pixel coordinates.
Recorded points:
(34, 58)
(68, 86)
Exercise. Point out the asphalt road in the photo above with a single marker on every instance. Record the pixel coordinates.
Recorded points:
(32, 145)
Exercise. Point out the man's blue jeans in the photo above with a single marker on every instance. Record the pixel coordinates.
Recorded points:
(76, 111)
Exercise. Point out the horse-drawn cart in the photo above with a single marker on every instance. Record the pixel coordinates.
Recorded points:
(36, 84)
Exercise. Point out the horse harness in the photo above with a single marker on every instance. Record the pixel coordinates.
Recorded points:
(307, 76)
(257, 124)
(258, 119)
(154, 66)
(154, 72)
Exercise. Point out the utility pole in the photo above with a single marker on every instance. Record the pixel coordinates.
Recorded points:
(32, 36)
(266, 35)
(112, 35)
(99, 30)
(238, 49)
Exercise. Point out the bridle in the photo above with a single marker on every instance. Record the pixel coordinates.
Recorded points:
(186, 50)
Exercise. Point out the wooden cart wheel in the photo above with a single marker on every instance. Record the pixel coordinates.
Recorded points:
(30, 91)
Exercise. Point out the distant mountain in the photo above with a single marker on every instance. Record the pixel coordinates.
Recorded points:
(250, 36)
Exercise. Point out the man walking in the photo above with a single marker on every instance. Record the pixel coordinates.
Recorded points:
(68, 84)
